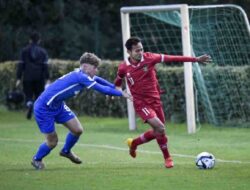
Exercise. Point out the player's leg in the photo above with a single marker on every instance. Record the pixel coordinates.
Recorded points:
(44, 149)
(145, 113)
(38, 88)
(70, 121)
(143, 138)
(160, 114)
(45, 121)
(47, 146)
(159, 130)
(73, 136)
(28, 92)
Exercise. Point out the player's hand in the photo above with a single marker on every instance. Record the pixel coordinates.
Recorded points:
(126, 95)
(18, 83)
(118, 88)
(204, 59)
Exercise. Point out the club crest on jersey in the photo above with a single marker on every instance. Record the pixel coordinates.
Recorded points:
(145, 68)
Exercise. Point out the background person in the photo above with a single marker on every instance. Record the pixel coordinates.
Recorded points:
(33, 70)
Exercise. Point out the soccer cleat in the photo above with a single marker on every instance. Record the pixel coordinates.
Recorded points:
(39, 165)
(169, 163)
(132, 151)
(72, 157)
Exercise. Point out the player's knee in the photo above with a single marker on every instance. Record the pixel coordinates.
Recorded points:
(52, 142)
(78, 131)
(160, 130)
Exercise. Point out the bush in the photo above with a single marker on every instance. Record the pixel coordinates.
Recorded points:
(171, 80)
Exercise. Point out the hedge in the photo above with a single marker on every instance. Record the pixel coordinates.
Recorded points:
(171, 80)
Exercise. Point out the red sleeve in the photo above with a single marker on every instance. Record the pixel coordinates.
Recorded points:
(173, 58)
(154, 57)
(120, 75)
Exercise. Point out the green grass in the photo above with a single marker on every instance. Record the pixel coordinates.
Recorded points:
(109, 167)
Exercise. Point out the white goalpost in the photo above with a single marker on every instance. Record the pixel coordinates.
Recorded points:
(125, 36)
(189, 92)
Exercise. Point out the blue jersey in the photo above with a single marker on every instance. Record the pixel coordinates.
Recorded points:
(72, 84)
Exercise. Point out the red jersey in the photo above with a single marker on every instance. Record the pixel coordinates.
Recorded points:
(141, 77)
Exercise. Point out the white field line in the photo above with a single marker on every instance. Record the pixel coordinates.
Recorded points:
(120, 149)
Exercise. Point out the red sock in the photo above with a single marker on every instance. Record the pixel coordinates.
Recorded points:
(162, 142)
(143, 138)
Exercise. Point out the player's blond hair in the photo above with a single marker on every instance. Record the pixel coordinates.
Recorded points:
(90, 58)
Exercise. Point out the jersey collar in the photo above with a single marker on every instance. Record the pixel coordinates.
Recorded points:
(128, 62)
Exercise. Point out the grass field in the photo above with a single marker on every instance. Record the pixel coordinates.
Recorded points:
(106, 164)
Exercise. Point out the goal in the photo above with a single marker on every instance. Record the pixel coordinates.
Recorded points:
(219, 93)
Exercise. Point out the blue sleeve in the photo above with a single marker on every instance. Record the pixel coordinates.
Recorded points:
(85, 79)
(103, 82)
(106, 90)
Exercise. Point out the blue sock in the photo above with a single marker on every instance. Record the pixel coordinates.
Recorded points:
(69, 142)
(43, 151)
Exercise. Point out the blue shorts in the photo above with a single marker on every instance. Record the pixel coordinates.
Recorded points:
(46, 117)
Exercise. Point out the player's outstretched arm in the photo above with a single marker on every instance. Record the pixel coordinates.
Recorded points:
(176, 58)
(103, 81)
(110, 91)
(124, 92)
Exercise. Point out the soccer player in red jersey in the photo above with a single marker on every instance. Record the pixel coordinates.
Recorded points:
(139, 71)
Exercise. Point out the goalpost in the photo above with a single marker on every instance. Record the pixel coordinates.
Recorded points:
(222, 31)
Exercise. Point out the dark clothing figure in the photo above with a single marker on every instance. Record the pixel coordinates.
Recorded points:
(33, 64)
(33, 69)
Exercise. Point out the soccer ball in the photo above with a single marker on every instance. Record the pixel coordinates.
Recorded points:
(205, 160)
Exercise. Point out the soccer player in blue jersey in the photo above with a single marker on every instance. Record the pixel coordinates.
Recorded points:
(50, 107)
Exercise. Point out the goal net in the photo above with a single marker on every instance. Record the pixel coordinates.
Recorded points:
(222, 88)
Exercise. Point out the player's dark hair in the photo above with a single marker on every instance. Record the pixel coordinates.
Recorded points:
(131, 42)
(90, 58)
(35, 36)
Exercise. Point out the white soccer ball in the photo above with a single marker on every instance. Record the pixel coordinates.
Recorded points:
(205, 160)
